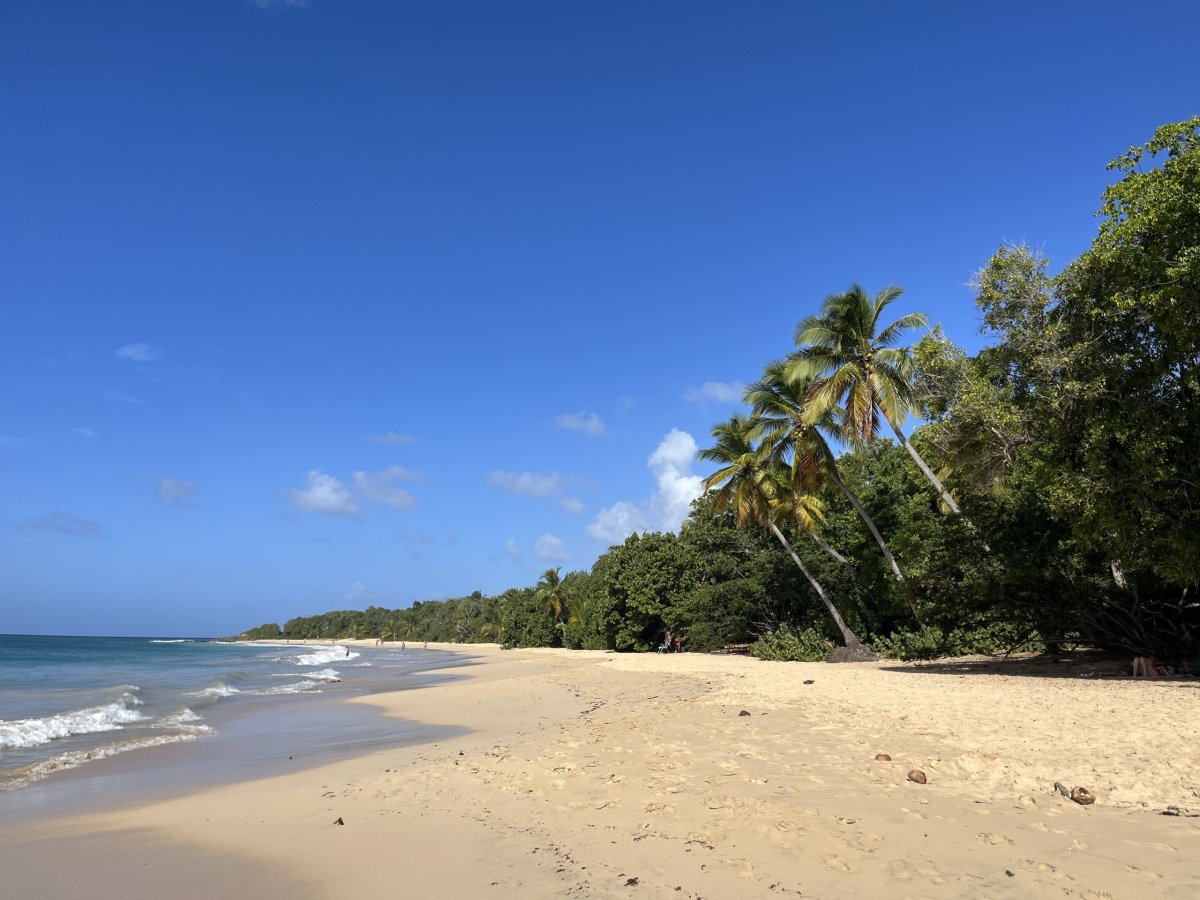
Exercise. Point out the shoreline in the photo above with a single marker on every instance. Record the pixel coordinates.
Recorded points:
(271, 736)
(581, 771)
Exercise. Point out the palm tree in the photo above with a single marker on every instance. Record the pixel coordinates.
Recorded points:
(779, 415)
(550, 594)
(757, 494)
(856, 365)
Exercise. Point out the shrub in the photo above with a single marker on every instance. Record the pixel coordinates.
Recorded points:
(785, 644)
(932, 642)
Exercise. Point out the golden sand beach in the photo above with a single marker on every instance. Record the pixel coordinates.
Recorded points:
(601, 775)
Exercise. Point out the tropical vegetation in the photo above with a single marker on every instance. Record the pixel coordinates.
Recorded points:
(1048, 495)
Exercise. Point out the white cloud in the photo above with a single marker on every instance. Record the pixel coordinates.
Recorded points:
(588, 423)
(715, 392)
(325, 495)
(529, 484)
(549, 548)
(143, 353)
(513, 551)
(176, 490)
(677, 486)
(65, 523)
(573, 505)
(671, 463)
(85, 432)
(379, 487)
(615, 523)
(392, 438)
(329, 496)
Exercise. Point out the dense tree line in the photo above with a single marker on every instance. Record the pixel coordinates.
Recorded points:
(1051, 493)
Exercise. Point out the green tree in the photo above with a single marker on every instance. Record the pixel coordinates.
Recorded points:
(756, 494)
(551, 593)
(778, 403)
(856, 365)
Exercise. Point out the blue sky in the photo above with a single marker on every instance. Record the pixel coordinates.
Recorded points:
(311, 305)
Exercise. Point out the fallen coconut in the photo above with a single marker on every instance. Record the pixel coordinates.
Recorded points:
(882, 757)
(918, 776)
(1083, 796)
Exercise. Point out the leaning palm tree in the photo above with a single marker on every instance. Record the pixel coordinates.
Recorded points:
(779, 405)
(550, 594)
(856, 364)
(747, 484)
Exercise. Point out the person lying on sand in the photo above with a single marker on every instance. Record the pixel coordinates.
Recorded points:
(1149, 667)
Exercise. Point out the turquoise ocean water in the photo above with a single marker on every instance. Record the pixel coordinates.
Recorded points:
(77, 706)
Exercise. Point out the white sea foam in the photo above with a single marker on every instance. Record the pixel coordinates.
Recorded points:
(330, 675)
(295, 687)
(26, 733)
(323, 656)
(214, 691)
(173, 641)
(184, 721)
(77, 758)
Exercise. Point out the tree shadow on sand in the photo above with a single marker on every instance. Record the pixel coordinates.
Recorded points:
(1078, 664)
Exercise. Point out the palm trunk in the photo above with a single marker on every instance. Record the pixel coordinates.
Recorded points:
(937, 484)
(832, 552)
(924, 467)
(883, 547)
(870, 523)
(848, 637)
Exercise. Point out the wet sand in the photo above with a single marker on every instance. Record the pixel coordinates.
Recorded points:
(598, 775)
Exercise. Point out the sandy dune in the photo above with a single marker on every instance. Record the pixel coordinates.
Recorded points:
(603, 775)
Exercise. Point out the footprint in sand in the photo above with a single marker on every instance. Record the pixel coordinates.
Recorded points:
(903, 871)
(836, 862)
(996, 840)
(1145, 873)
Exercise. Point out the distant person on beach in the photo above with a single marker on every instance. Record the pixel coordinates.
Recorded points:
(427, 645)
(1149, 667)
(402, 645)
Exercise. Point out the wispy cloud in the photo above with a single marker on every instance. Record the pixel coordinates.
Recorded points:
(65, 523)
(392, 437)
(535, 484)
(112, 395)
(715, 392)
(12, 442)
(445, 539)
(676, 487)
(573, 505)
(529, 484)
(142, 352)
(586, 422)
(176, 491)
(380, 487)
(549, 548)
(513, 550)
(88, 433)
(325, 495)
(329, 496)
